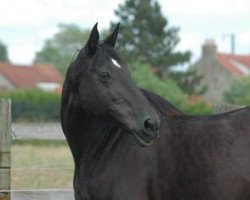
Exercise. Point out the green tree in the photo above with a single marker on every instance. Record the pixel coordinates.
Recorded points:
(3, 53)
(168, 89)
(238, 93)
(146, 35)
(59, 49)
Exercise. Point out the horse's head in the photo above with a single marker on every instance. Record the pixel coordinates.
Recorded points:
(105, 89)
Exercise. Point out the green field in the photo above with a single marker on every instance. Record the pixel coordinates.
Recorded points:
(41, 165)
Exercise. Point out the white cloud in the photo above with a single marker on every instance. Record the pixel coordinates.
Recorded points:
(40, 12)
(21, 52)
(24, 25)
(243, 40)
(38, 19)
(191, 41)
(201, 20)
(206, 8)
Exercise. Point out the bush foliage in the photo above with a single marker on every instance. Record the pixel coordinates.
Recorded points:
(239, 92)
(33, 105)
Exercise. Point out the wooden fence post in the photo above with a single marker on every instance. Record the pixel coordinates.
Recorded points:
(5, 146)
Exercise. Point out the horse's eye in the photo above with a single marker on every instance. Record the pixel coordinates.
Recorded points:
(104, 76)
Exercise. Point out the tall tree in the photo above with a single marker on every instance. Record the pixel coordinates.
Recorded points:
(3, 53)
(59, 49)
(146, 35)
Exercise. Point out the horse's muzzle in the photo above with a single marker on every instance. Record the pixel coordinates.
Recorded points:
(151, 128)
(149, 132)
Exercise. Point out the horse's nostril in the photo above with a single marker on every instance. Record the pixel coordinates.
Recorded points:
(150, 126)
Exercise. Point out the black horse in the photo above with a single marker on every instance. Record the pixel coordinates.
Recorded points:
(131, 144)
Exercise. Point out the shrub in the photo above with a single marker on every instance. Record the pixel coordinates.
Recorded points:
(239, 92)
(33, 105)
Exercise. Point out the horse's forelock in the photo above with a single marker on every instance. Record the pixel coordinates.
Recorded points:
(82, 63)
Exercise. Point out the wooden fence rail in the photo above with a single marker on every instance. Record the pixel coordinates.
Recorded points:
(17, 131)
(44, 131)
(43, 194)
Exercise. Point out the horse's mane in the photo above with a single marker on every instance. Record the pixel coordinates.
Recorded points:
(162, 105)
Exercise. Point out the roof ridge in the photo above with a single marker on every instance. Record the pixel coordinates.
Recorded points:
(238, 65)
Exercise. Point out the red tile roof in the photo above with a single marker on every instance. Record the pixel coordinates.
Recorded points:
(228, 62)
(29, 76)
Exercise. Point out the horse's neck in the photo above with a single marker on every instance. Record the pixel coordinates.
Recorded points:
(86, 136)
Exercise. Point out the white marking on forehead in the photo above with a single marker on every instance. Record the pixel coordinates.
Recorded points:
(115, 63)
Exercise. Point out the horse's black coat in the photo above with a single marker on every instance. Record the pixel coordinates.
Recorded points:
(195, 158)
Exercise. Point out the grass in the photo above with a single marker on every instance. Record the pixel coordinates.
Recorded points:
(41, 164)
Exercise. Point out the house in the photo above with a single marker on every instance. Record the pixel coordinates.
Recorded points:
(45, 77)
(218, 70)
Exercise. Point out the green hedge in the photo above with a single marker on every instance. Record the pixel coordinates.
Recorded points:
(33, 105)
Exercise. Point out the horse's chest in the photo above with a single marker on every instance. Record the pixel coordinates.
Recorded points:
(92, 186)
(120, 183)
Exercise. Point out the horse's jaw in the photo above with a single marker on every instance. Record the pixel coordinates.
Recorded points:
(141, 141)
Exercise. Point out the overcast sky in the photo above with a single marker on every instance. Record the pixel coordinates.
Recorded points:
(24, 25)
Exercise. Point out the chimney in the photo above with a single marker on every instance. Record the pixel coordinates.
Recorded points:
(209, 49)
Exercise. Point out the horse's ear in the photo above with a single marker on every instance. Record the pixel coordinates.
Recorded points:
(93, 40)
(111, 39)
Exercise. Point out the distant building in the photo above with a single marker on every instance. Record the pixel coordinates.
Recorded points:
(45, 77)
(219, 69)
